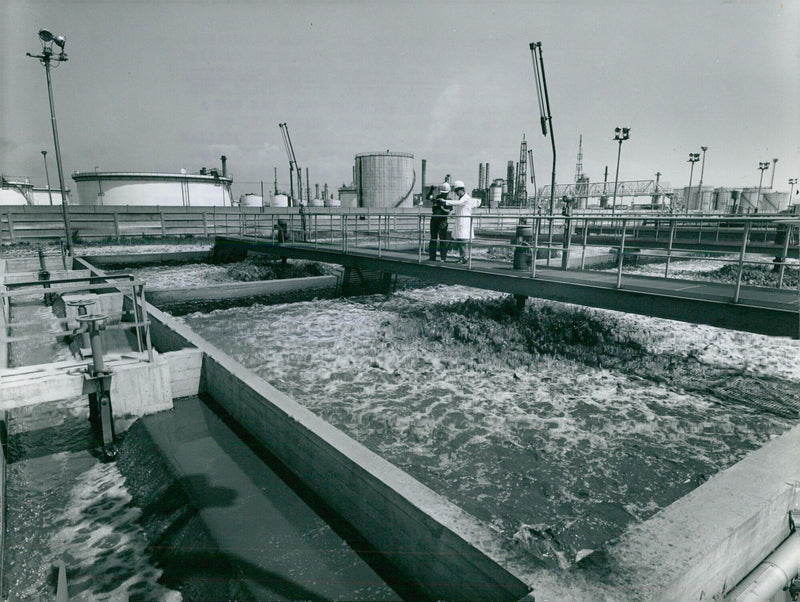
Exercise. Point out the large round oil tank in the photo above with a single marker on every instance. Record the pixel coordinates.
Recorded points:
(385, 179)
(15, 193)
(316, 203)
(495, 194)
(333, 203)
(250, 200)
(280, 200)
(153, 189)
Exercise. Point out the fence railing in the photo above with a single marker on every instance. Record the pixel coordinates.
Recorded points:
(511, 234)
(566, 241)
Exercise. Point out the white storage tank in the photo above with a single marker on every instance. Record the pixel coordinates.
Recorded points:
(495, 193)
(15, 191)
(316, 203)
(280, 200)
(116, 189)
(251, 200)
(41, 196)
(385, 179)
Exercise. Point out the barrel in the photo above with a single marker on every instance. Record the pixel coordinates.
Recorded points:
(522, 248)
(524, 234)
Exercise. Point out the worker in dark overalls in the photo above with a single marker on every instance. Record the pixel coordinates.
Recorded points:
(439, 231)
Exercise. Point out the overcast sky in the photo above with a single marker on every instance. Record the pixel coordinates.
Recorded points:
(165, 85)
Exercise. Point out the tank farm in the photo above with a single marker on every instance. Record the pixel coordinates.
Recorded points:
(186, 420)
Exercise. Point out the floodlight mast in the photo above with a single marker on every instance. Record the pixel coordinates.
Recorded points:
(47, 56)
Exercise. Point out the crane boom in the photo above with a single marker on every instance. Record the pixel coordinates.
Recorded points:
(294, 168)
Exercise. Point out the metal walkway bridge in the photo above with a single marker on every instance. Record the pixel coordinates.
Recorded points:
(396, 244)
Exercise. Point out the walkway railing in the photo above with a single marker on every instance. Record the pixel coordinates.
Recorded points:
(573, 241)
(133, 317)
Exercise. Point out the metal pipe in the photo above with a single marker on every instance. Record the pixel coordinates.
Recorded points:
(774, 574)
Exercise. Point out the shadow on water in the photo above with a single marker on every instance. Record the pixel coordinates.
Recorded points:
(173, 511)
(188, 563)
(406, 589)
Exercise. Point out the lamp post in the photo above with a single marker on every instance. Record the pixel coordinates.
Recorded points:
(699, 195)
(693, 158)
(762, 165)
(620, 134)
(47, 176)
(46, 57)
(772, 179)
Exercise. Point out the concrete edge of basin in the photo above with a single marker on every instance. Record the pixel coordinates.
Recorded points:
(716, 534)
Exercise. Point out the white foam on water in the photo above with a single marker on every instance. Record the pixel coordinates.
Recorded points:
(576, 447)
(180, 276)
(102, 544)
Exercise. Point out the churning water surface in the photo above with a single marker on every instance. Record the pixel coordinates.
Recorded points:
(556, 455)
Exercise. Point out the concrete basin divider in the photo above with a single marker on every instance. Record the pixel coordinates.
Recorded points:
(234, 290)
(434, 544)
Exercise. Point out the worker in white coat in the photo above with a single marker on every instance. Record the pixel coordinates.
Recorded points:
(463, 230)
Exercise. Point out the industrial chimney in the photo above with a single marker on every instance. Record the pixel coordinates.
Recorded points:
(224, 160)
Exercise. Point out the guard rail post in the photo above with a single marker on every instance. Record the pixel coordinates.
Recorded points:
(419, 237)
(745, 234)
(535, 250)
(621, 254)
(785, 254)
(585, 240)
(669, 247)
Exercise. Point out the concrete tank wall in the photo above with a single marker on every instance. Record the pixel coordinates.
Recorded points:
(171, 190)
(385, 179)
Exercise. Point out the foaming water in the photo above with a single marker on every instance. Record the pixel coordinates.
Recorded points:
(557, 456)
(180, 276)
(67, 506)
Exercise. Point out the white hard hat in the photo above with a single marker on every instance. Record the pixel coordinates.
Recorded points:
(458, 184)
(444, 187)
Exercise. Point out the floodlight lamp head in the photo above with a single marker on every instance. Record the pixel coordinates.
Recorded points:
(60, 41)
(45, 35)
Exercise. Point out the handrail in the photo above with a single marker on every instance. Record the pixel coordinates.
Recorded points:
(661, 236)
(140, 323)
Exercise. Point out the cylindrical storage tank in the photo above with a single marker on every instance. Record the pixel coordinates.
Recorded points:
(116, 189)
(385, 179)
(280, 200)
(251, 200)
(333, 203)
(495, 194)
(16, 192)
(316, 203)
(41, 196)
